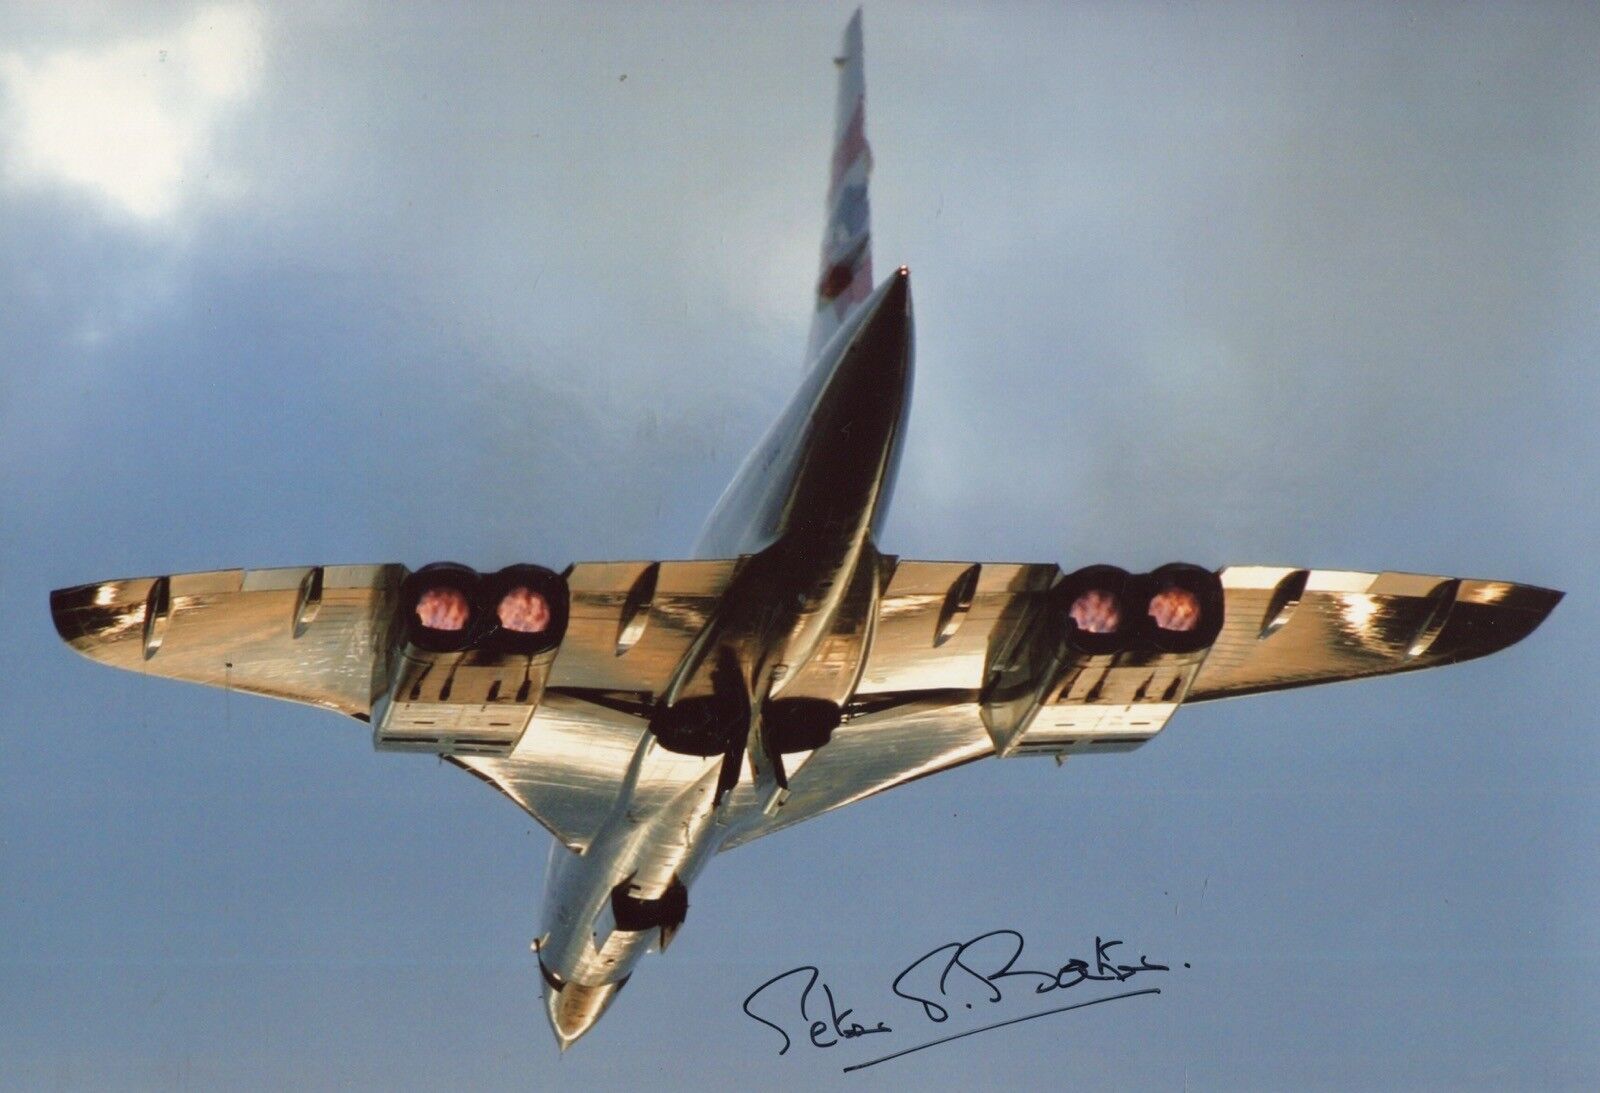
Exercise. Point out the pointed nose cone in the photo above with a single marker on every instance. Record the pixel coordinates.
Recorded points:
(870, 399)
(902, 277)
(877, 354)
(889, 309)
(575, 1008)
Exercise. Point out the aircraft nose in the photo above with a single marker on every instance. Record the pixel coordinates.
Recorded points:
(875, 368)
(892, 308)
(574, 1008)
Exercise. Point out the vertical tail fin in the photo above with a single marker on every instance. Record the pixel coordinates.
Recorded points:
(846, 276)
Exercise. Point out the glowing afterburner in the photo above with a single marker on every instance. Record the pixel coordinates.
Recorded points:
(1174, 608)
(1097, 611)
(443, 608)
(524, 610)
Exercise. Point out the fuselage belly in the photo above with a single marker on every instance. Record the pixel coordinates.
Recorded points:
(802, 513)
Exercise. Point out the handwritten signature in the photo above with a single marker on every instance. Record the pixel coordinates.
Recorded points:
(959, 973)
(818, 1029)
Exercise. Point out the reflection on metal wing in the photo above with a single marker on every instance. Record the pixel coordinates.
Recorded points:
(632, 622)
(1281, 628)
(650, 713)
(570, 767)
(318, 635)
(941, 624)
(1293, 628)
(950, 673)
(878, 751)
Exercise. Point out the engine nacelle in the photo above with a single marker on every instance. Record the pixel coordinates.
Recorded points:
(1106, 662)
(1175, 609)
(448, 608)
(471, 657)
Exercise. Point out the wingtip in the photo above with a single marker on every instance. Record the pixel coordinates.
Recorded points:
(59, 599)
(1493, 616)
(70, 609)
(1545, 602)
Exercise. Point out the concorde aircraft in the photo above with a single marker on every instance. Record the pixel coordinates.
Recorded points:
(652, 713)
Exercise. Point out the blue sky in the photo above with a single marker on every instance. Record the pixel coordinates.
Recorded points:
(1307, 285)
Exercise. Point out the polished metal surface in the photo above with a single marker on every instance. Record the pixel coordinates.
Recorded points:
(658, 632)
(649, 737)
(930, 637)
(1346, 625)
(568, 768)
(823, 473)
(573, 1008)
(876, 752)
(318, 635)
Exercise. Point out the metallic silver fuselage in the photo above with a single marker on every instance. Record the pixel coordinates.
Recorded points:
(802, 513)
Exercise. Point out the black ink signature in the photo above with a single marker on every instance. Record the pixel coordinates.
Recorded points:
(956, 973)
(1085, 1004)
(976, 968)
(818, 1029)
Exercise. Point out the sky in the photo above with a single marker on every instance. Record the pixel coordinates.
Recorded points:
(1305, 284)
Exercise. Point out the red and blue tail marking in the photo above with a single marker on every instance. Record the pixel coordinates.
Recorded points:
(846, 275)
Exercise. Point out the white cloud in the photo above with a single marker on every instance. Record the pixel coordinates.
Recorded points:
(133, 121)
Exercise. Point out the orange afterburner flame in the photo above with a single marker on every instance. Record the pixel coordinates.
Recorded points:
(1176, 609)
(443, 608)
(524, 610)
(1097, 612)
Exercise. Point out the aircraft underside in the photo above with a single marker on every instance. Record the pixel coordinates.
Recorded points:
(652, 713)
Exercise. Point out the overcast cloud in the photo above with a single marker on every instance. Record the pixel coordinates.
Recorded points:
(1297, 284)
